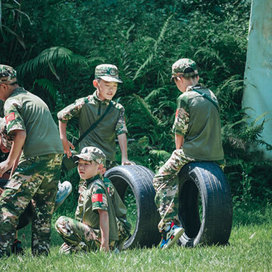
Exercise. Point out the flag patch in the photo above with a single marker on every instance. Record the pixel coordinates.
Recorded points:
(10, 117)
(97, 198)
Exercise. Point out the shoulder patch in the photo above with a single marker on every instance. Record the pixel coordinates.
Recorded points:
(97, 198)
(10, 117)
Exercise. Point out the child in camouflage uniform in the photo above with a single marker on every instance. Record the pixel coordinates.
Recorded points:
(197, 131)
(29, 121)
(89, 109)
(101, 219)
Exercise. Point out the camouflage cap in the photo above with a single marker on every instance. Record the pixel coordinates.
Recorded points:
(107, 72)
(7, 73)
(91, 153)
(184, 67)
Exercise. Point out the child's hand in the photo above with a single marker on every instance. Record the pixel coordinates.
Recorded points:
(127, 162)
(66, 146)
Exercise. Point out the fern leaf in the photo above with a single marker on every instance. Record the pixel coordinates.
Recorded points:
(52, 58)
(147, 112)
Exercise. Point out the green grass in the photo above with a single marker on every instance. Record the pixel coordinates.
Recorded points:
(249, 250)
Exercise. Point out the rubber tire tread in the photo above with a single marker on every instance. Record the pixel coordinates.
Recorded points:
(139, 179)
(208, 180)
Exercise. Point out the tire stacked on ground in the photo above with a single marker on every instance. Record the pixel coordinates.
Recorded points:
(139, 180)
(205, 205)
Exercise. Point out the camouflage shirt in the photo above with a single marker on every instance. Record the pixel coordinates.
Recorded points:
(95, 198)
(88, 110)
(198, 120)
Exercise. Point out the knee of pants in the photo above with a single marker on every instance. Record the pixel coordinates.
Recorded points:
(60, 223)
(8, 220)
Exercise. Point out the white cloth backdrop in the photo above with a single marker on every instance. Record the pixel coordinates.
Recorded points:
(258, 71)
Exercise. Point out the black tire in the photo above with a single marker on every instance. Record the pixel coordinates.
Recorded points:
(139, 179)
(203, 186)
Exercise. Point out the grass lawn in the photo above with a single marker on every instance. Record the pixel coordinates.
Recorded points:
(250, 249)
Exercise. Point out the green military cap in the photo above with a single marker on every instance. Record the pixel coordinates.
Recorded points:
(91, 153)
(107, 72)
(184, 67)
(7, 73)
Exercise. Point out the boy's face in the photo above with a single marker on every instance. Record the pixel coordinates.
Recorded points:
(87, 169)
(106, 90)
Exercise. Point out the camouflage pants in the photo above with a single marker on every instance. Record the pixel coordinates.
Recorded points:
(166, 186)
(78, 236)
(35, 179)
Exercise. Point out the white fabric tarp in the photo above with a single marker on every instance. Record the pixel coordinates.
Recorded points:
(258, 71)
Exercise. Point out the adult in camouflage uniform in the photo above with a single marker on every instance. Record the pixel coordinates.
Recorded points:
(101, 220)
(197, 137)
(29, 122)
(90, 108)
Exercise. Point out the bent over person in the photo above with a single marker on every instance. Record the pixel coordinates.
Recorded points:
(36, 178)
(197, 131)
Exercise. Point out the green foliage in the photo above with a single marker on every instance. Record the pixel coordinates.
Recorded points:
(64, 41)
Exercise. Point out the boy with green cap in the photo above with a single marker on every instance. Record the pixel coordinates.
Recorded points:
(30, 123)
(197, 131)
(101, 220)
(89, 109)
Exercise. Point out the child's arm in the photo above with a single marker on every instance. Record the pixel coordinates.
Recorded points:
(104, 228)
(122, 139)
(66, 144)
(179, 140)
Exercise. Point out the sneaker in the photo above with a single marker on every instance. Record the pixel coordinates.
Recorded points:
(64, 190)
(170, 237)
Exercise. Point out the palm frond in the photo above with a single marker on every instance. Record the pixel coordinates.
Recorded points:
(47, 85)
(52, 58)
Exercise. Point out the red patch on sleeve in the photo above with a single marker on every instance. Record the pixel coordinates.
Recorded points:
(10, 117)
(97, 198)
(177, 111)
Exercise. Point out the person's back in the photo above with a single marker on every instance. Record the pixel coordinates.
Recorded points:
(42, 132)
(202, 140)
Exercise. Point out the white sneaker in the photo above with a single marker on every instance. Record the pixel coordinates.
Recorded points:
(64, 190)
(170, 237)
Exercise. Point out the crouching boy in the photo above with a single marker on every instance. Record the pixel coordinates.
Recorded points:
(101, 219)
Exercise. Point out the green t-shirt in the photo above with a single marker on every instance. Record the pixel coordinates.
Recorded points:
(198, 120)
(95, 197)
(88, 110)
(26, 111)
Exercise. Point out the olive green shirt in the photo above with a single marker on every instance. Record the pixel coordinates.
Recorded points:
(198, 120)
(99, 195)
(88, 110)
(26, 111)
